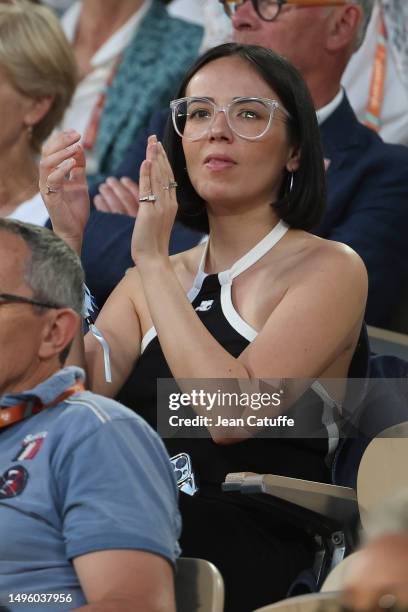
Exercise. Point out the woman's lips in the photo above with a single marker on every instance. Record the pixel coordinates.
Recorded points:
(218, 163)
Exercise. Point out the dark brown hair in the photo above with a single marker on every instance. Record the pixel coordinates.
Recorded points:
(303, 206)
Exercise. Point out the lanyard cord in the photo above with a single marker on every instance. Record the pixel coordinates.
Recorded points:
(18, 412)
(377, 86)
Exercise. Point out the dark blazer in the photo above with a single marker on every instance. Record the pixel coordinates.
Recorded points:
(367, 202)
(367, 206)
(105, 252)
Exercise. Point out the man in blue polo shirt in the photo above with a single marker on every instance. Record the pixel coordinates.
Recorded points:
(88, 501)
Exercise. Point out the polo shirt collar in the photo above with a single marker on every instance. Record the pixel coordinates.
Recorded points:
(49, 389)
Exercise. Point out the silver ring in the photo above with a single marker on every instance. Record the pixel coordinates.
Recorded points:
(148, 198)
(51, 189)
(171, 185)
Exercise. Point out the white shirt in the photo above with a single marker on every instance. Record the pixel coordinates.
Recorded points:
(78, 115)
(357, 79)
(31, 211)
(324, 113)
(207, 13)
(59, 6)
(191, 10)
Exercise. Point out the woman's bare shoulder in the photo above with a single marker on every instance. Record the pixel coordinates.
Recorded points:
(310, 266)
(320, 256)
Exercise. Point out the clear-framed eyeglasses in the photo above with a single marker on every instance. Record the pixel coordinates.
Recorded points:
(247, 117)
(268, 10)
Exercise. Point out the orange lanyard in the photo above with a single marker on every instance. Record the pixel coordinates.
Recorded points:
(376, 96)
(91, 133)
(18, 412)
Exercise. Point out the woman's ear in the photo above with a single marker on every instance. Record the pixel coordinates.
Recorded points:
(294, 160)
(38, 110)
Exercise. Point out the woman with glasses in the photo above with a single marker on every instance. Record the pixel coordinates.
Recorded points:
(262, 299)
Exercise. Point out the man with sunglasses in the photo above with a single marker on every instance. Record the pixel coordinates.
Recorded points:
(88, 502)
(366, 178)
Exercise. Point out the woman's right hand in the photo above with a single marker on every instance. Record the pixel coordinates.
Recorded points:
(64, 187)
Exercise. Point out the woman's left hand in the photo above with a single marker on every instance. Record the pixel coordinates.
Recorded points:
(155, 219)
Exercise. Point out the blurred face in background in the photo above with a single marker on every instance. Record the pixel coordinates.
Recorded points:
(298, 33)
(16, 107)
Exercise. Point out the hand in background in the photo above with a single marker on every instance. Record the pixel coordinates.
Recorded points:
(64, 187)
(118, 196)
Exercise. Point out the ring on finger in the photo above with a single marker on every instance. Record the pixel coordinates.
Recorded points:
(171, 185)
(50, 189)
(148, 198)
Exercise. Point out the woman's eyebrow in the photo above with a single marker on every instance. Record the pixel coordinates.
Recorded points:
(203, 98)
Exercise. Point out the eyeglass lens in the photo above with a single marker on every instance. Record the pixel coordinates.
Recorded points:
(247, 118)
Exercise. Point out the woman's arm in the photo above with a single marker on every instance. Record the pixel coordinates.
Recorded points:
(119, 323)
(65, 192)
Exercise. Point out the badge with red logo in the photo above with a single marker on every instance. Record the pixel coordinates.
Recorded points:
(31, 445)
(13, 482)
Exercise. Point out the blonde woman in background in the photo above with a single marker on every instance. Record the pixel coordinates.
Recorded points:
(37, 81)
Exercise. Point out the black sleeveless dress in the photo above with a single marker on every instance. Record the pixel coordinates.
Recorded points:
(258, 550)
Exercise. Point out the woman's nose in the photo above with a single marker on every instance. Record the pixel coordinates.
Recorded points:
(219, 127)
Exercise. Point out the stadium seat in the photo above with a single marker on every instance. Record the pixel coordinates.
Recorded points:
(333, 513)
(199, 586)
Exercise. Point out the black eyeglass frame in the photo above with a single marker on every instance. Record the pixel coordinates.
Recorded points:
(10, 298)
(230, 6)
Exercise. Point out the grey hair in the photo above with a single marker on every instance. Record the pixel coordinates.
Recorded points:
(53, 272)
(390, 517)
(367, 6)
